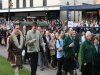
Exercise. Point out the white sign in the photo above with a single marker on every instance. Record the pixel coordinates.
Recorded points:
(70, 24)
(9, 25)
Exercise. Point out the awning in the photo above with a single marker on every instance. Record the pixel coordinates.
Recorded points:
(81, 7)
(40, 24)
(42, 8)
(51, 8)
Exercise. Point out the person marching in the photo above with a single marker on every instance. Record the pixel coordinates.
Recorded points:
(33, 41)
(14, 47)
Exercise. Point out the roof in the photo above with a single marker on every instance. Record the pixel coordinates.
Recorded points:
(81, 7)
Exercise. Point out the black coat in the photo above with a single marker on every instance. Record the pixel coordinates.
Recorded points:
(76, 43)
(46, 42)
(97, 57)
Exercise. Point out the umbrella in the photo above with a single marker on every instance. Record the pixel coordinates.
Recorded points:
(26, 23)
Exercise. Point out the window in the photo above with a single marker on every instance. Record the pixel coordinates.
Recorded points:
(67, 3)
(10, 4)
(24, 3)
(31, 3)
(17, 3)
(44, 2)
(0, 4)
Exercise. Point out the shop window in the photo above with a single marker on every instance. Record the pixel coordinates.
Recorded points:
(44, 2)
(31, 3)
(24, 3)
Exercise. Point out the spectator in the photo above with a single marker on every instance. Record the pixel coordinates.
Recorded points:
(25, 54)
(87, 55)
(52, 50)
(47, 39)
(60, 53)
(68, 52)
(42, 57)
(97, 57)
(83, 37)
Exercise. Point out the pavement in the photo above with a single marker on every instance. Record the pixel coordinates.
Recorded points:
(4, 53)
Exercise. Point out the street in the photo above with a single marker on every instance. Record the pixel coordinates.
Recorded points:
(3, 52)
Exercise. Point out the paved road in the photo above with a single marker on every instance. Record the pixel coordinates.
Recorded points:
(3, 52)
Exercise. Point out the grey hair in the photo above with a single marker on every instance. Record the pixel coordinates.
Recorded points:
(87, 33)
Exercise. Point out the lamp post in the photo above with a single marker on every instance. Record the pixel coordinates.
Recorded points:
(9, 10)
(10, 4)
(68, 17)
(46, 9)
(74, 10)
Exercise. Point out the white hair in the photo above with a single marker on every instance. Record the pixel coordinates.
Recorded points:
(88, 33)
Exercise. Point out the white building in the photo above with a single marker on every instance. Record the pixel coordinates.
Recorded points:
(43, 7)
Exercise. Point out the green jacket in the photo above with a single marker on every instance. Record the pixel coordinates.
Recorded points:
(68, 51)
(87, 52)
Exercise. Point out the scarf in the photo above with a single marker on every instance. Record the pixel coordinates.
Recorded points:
(14, 38)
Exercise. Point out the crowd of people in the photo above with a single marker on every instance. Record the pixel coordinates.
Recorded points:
(64, 49)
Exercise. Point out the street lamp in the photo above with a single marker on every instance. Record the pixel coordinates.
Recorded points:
(68, 17)
(74, 10)
(10, 4)
(46, 13)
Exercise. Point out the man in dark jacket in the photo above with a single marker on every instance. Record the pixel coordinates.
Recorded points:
(47, 39)
(76, 39)
(68, 52)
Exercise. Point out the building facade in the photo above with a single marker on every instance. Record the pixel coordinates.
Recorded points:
(97, 1)
(37, 8)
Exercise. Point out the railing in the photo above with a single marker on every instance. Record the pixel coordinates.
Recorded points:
(92, 29)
